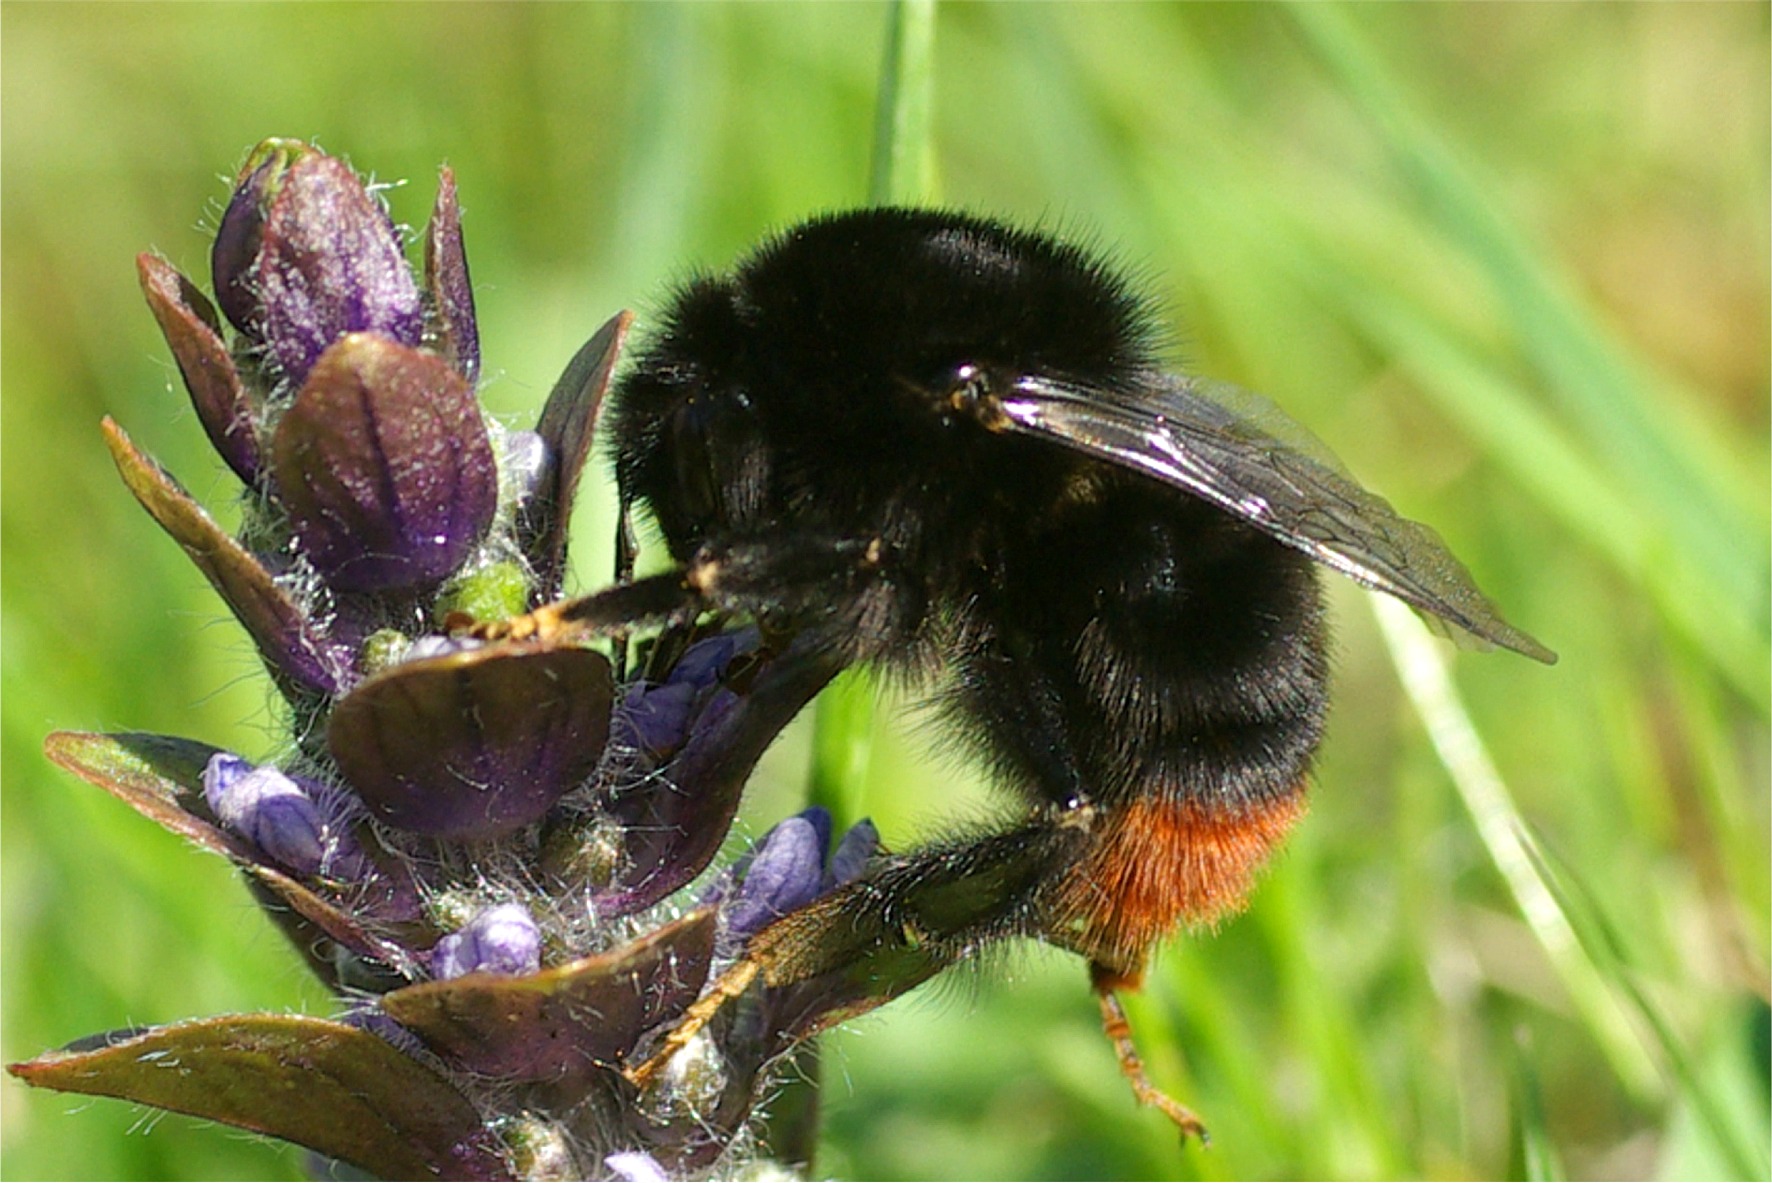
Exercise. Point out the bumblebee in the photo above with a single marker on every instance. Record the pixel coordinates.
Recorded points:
(935, 444)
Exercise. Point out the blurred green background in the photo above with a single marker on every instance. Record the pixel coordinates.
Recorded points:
(1509, 261)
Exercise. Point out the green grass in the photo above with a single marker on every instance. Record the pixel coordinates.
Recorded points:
(1509, 261)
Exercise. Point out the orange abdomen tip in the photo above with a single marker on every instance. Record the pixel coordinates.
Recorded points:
(1157, 865)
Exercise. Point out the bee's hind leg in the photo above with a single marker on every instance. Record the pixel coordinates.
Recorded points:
(1119, 1032)
(905, 920)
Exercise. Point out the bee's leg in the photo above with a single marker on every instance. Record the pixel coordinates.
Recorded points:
(829, 584)
(907, 919)
(627, 549)
(914, 915)
(728, 987)
(627, 544)
(1119, 1033)
(657, 598)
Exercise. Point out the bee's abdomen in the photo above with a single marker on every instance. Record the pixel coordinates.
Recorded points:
(1156, 864)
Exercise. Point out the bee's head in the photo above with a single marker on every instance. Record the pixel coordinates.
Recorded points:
(859, 339)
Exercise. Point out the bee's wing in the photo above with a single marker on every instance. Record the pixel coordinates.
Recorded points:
(1225, 445)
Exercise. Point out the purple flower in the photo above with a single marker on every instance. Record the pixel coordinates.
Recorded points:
(501, 940)
(789, 869)
(852, 855)
(786, 873)
(369, 454)
(656, 717)
(281, 817)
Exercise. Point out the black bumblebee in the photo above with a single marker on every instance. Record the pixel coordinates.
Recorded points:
(931, 442)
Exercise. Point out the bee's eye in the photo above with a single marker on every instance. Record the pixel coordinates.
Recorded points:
(968, 385)
(972, 392)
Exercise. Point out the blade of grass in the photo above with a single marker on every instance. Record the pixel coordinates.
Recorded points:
(667, 147)
(1539, 1159)
(1743, 1149)
(903, 165)
(1351, 1115)
(1422, 667)
(1215, 1038)
(843, 747)
(1729, 830)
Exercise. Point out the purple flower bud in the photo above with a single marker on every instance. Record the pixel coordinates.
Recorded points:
(266, 808)
(384, 465)
(367, 1017)
(281, 817)
(787, 872)
(503, 939)
(305, 255)
(237, 239)
(657, 717)
(673, 824)
(704, 662)
(817, 815)
(654, 719)
(822, 826)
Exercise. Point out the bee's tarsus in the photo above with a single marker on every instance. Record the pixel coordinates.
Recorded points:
(728, 986)
(1119, 1032)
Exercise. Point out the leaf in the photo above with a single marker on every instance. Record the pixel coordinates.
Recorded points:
(673, 824)
(562, 1022)
(333, 1088)
(447, 284)
(193, 333)
(385, 467)
(291, 647)
(474, 744)
(159, 776)
(566, 425)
